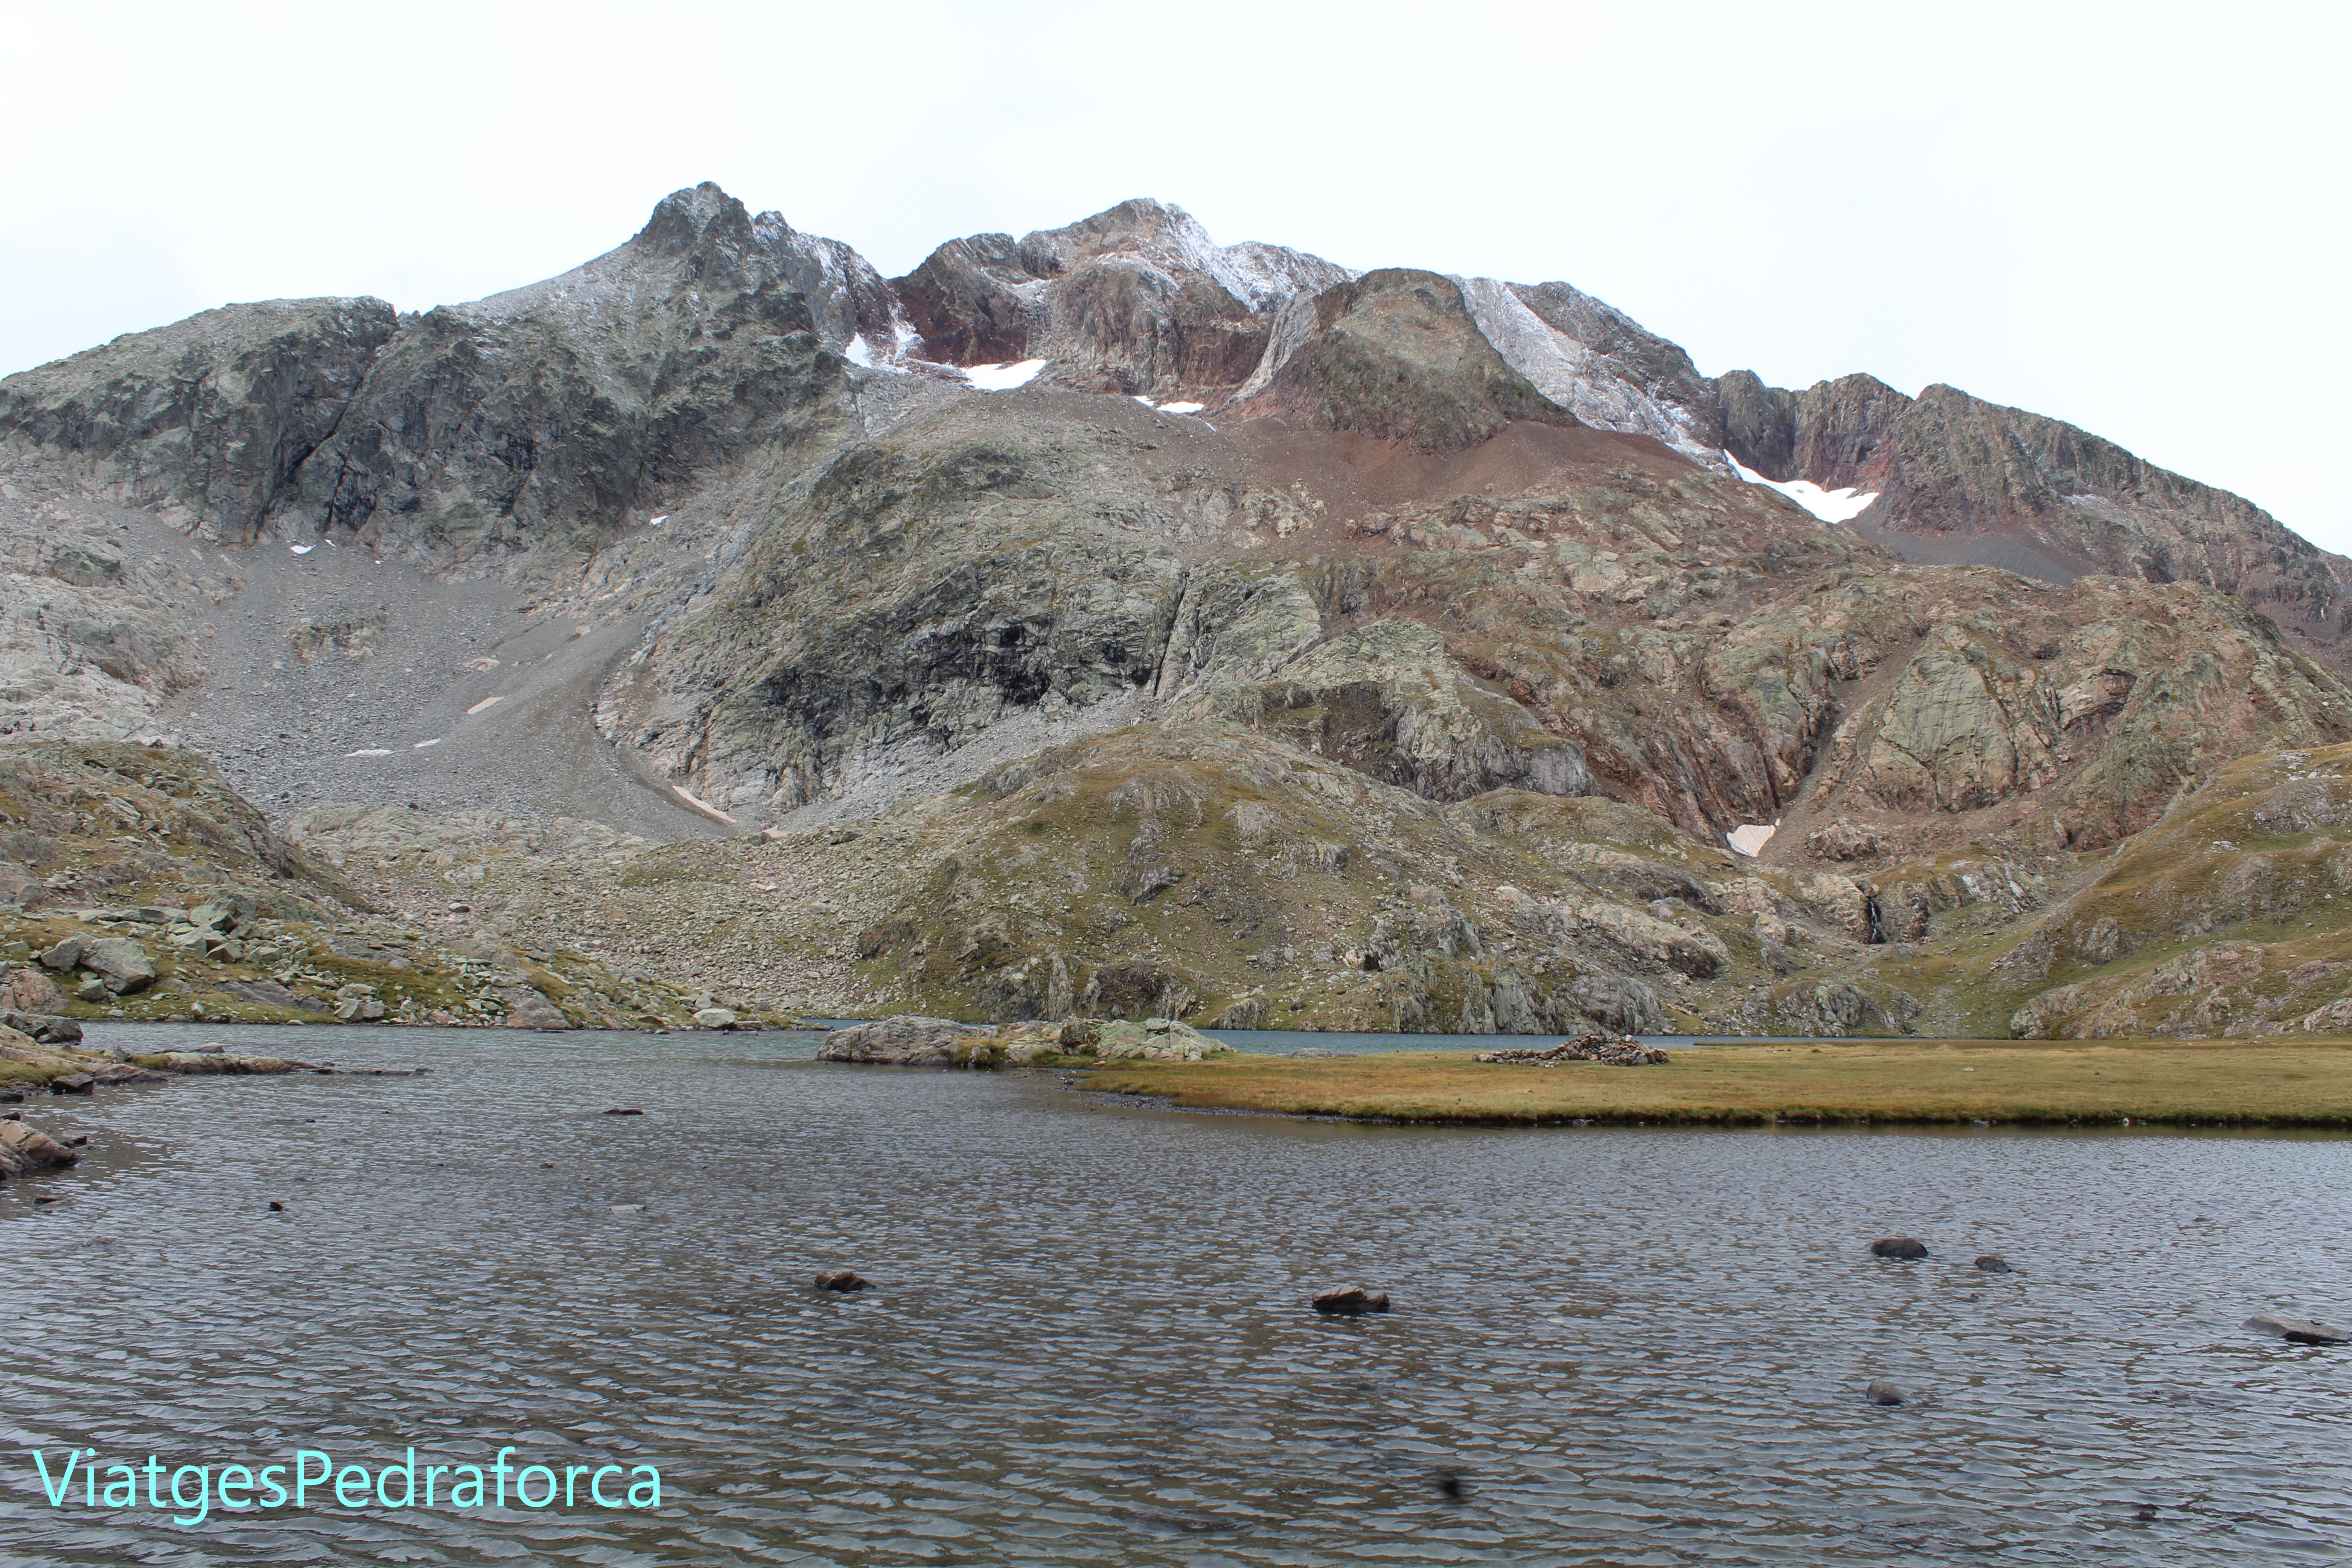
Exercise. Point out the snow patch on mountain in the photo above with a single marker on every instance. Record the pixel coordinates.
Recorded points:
(1002, 377)
(1829, 506)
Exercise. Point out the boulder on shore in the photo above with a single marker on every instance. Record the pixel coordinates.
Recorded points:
(121, 962)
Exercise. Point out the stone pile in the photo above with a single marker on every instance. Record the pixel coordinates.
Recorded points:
(1612, 1050)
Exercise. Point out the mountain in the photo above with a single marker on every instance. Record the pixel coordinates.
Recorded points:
(1110, 620)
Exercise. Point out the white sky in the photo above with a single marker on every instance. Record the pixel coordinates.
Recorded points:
(2127, 216)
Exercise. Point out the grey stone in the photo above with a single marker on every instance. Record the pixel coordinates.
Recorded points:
(1881, 1392)
(121, 962)
(1994, 1263)
(903, 1040)
(714, 1018)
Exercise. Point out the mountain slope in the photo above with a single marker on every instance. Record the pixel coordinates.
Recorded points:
(1285, 614)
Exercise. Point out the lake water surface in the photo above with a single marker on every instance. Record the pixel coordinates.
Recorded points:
(1091, 1344)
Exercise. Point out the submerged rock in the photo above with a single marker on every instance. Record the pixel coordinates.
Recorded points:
(1994, 1263)
(845, 1281)
(2297, 1331)
(1903, 1247)
(1881, 1392)
(1353, 1301)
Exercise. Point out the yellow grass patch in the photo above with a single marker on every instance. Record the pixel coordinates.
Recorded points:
(2243, 1082)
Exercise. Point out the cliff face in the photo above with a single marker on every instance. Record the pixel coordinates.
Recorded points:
(208, 420)
(1957, 479)
(1295, 644)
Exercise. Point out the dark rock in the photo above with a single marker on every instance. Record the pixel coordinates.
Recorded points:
(1881, 1392)
(546, 412)
(844, 1279)
(1899, 1247)
(1353, 1301)
(211, 416)
(72, 1083)
(2297, 1331)
(624, 1111)
(1452, 1487)
(276, 1207)
(1994, 1263)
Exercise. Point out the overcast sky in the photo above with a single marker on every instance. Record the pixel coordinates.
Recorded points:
(2127, 216)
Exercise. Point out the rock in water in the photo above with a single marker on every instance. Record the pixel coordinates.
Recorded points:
(72, 1083)
(1905, 1247)
(1994, 1263)
(904, 1040)
(843, 1279)
(1353, 1301)
(2297, 1331)
(23, 1148)
(1882, 1392)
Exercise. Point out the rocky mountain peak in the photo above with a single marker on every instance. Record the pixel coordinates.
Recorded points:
(699, 215)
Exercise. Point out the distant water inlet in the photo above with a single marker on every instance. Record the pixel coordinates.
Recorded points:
(1088, 1338)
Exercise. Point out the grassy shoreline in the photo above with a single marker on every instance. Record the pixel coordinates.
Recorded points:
(2242, 1083)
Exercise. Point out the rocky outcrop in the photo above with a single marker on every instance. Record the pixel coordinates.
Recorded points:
(1387, 700)
(1397, 355)
(545, 415)
(1137, 299)
(208, 420)
(1961, 479)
